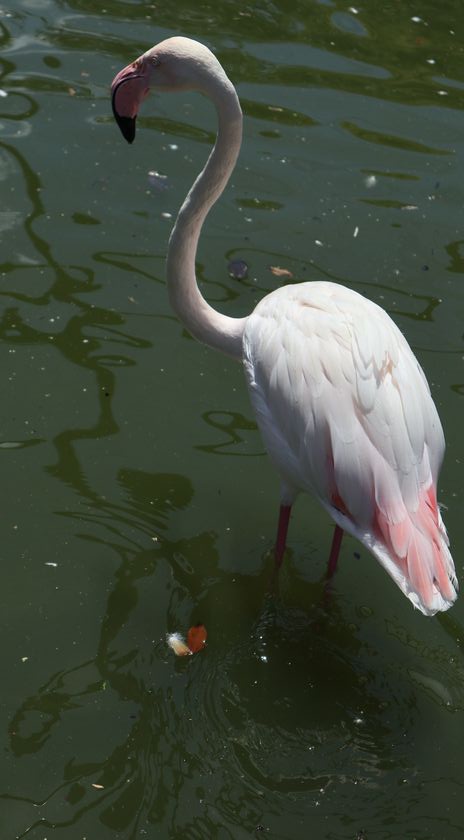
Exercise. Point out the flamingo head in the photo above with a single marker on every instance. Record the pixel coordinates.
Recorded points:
(174, 64)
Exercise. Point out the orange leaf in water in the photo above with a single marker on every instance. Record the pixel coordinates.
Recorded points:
(196, 637)
(277, 271)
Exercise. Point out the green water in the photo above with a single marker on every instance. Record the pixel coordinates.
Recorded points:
(136, 496)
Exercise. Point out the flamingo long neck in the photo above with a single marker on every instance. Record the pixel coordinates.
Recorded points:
(202, 321)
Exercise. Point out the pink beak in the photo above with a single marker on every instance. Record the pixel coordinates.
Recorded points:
(128, 90)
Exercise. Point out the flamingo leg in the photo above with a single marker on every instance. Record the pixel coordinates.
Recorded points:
(334, 551)
(281, 539)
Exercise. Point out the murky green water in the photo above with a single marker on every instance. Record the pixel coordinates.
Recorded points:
(136, 498)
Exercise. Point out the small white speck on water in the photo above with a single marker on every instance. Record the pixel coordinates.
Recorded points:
(370, 181)
(355, 232)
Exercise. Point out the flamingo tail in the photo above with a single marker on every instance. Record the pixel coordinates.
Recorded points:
(415, 553)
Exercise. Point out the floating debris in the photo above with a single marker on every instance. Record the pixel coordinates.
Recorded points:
(238, 269)
(196, 641)
(157, 180)
(177, 644)
(277, 271)
(196, 637)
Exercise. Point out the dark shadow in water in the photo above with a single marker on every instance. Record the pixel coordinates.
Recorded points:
(234, 426)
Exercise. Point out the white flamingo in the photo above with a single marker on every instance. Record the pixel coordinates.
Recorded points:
(342, 404)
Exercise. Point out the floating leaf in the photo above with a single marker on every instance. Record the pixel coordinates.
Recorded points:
(196, 638)
(280, 272)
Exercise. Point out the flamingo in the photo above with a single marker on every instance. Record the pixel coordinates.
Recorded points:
(341, 402)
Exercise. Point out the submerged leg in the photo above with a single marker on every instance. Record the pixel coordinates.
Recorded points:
(282, 528)
(334, 551)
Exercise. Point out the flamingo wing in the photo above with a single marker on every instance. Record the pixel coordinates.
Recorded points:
(346, 413)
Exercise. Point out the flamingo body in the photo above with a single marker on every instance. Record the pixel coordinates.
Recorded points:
(341, 401)
(346, 414)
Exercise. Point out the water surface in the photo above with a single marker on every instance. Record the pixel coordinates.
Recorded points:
(136, 496)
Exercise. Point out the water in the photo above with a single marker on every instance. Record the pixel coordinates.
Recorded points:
(136, 496)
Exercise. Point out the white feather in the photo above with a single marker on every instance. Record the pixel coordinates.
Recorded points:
(346, 413)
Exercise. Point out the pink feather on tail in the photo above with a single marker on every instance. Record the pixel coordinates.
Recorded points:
(418, 556)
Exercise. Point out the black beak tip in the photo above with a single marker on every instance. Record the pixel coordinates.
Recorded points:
(127, 126)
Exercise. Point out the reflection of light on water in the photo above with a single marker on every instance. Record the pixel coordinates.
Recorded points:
(9, 219)
(37, 5)
(434, 686)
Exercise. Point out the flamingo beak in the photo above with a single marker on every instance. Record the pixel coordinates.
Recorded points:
(128, 90)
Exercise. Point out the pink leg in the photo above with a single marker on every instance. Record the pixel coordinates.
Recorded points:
(282, 528)
(334, 551)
